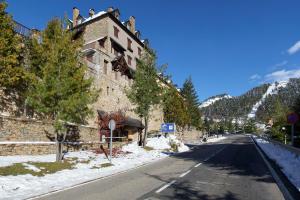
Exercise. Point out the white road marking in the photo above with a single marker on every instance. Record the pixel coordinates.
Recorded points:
(165, 186)
(185, 173)
(198, 164)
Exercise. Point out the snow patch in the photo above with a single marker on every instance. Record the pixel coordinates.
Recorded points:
(289, 162)
(213, 100)
(165, 143)
(31, 167)
(272, 89)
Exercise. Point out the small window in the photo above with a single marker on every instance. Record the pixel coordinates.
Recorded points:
(116, 32)
(129, 43)
(101, 43)
(107, 90)
(129, 60)
(139, 52)
(105, 67)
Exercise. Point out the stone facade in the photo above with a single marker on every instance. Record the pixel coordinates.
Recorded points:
(106, 39)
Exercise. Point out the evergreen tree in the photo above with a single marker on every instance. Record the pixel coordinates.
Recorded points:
(145, 92)
(207, 125)
(279, 120)
(175, 109)
(189, 93)
(61, 91)
(249, 126)
(13, 76)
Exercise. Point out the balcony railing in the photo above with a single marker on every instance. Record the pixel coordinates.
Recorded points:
(22, 30)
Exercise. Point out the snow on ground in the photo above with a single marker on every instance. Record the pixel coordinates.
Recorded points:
(289, 162)
(213, 100)
(87, 168)
(163, 143)
(209, 140)
(24, 186)
(272, 89)
(216, 139)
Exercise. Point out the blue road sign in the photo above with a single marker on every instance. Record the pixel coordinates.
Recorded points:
(168, 127)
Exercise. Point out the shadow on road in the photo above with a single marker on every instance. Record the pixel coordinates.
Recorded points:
(238, 160)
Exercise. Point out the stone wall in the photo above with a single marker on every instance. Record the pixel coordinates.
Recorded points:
(31, 137)
(190, 136)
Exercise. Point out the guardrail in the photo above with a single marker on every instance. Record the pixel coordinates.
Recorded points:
(285, 146)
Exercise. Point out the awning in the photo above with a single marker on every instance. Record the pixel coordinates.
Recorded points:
(134, 123)
(128, 122)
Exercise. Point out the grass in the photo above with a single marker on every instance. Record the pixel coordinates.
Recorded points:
(45, 168)
(148, 148)
(174, 147)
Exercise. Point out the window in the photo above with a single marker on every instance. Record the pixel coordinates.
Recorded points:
(105, 67)
(129, 60)
(129, 42)
(101, 43)
(107, 90)
(139, 52)
(116, 32)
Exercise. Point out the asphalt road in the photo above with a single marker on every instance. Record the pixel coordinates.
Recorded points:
(231, 169)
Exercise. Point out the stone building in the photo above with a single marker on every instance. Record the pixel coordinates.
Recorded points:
(111, 49)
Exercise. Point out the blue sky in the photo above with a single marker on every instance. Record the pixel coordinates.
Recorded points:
(225, 45)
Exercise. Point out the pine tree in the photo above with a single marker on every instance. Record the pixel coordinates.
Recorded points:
(145, 92)
(175, 109)
(250, 126)
(279, 120)
(13, 76)
(61, 91)
(189, 93)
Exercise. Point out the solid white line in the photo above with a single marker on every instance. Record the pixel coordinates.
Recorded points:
(198, 164)
(185, 173)
(165, 186)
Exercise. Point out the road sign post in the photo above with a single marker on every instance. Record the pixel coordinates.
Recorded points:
(292, 119)
(112, 127)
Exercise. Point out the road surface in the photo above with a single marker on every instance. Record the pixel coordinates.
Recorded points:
(230, 169)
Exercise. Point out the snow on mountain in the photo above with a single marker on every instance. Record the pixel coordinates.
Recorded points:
(273, 89)
(212, 100)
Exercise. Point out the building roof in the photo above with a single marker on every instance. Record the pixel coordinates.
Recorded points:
(103, 14)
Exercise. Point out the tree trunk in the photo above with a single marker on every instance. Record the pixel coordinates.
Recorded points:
(145, 132)
(58, 151)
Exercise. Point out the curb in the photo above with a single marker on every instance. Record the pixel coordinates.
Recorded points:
(286, 193)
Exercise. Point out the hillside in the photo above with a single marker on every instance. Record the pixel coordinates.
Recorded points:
(289, 95)
(235, 107)
(256, 103)
(213, 99)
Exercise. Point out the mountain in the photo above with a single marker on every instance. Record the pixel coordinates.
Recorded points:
(235, 107)
(287, 93)
(257, 103)
(213, 99)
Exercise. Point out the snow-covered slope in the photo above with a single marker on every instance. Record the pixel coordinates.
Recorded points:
(273, 89)
(213, 100)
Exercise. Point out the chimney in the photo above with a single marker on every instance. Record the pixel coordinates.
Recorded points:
(75, 16)
(91, 12)
(132, 24)
(110, 9)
